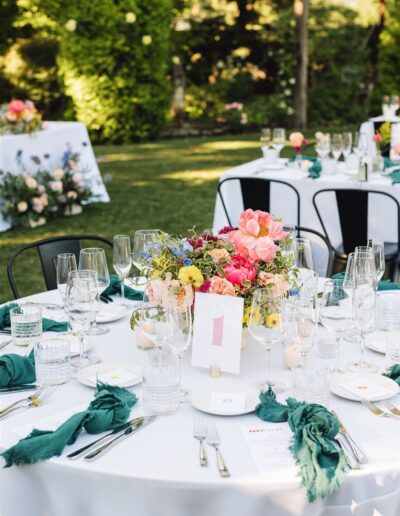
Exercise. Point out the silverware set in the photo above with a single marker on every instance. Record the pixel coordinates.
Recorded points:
(97, 448)
(392, 410)
(352, 452)
(207, 431)
(33, 401)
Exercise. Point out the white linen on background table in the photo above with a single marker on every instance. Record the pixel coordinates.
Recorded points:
(156, 472)
(53, 140)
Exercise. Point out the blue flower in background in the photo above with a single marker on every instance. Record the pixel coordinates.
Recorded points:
(187, 261)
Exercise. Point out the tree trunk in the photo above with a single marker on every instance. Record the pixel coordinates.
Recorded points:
(178, 100)
(300, 100)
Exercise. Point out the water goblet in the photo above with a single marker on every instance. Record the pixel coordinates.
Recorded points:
(66, 262)
(122, 259)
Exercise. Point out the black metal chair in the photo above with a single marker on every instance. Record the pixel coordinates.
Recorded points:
(352, 205)
(48, 249)
(318, 240)
(256, 194)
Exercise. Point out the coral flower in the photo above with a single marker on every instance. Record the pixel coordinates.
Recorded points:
(256, 236)
(276, 282)
(239, 270)
(221, 286)
(17, 106)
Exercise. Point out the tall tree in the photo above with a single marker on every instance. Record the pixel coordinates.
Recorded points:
(301, 8)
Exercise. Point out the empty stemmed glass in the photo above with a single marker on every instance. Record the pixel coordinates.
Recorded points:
(66, 262)
(306, 324)
(122, 259)
(336, 147)
(335, 313)
(265, 138)
(144, 246)
(265, 325)
(94, 259)
(360, 145)
(347, 140)
(303, 259)
(323, 145)
(378, 250)
(278, 139)
(79, 308)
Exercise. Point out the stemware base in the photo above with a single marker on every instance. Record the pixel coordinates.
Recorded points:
(80, 362)
(183, 396)
(362, 367)
(277, 387)
(97, 330)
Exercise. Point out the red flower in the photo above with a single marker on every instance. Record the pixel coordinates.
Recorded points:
(196, 242)
(226, 229)
(238, 270)
(204, 287)
(377, 138)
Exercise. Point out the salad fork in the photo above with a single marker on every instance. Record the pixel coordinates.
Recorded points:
(214, 441)
(200, 433)
(376, 410)
(34, 400)
(393, 409)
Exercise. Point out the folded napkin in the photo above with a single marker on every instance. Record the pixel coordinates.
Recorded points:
(47, 324)
(393, 373)
(315, 169)
(314, 428)
(382, 285)
(110, 408)
(115, 288)
(17, 370)
(395, 173)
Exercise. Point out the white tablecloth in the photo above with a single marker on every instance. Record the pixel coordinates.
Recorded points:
(156, 471)
(382, 214)
(17, 151)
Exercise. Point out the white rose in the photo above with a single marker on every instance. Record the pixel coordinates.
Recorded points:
(77, 177)
(319, 135)
(72, 194)
(147, 40)
(57, 186)
(37, 205)
(22, 206)
(58, 174)
(71, 25)
(30, 182)
(130, 17)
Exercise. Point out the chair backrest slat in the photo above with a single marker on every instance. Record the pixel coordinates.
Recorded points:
(353, 216)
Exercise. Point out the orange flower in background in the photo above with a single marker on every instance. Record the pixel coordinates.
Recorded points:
(221, 286)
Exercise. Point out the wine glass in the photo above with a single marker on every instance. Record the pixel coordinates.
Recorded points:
(364, 299)
(335, 313)
(386, 106)
(122, 259)
(360, 146)
(94, 259)
(323, 145)
(181, 332)
(378, 251)
(265, 325)
(66, 262)
(287, 246)
(144, 243)
(278, 139)
(91, 276)
(79, 308)
(364, 268)
(336, 147)
(347, 139)
(306, 324)
(265, 138)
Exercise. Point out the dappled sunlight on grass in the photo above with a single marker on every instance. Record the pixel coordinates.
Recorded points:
(230, 145)
(195, 177)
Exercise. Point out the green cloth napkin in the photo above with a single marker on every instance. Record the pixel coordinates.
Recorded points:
(115, 288)
(16, 370)
(47, 324)
(393, 373)
(395, 174)
(314, 428)
(382, 285)
(110, 409)
(315, 170)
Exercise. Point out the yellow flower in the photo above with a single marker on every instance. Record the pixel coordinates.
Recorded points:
(246, 316)
(71, 25)
(147, 40)
(155, 274)
(273, 320)
(191, 275)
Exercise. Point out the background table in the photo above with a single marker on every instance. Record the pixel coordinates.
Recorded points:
(49, 146)
(156, 472)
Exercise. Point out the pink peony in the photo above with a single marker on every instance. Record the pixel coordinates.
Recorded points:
(276, 282)
(377, 138)
(156, 290)
(256, 236)
(221, 286)
(296, 140)
(239, 270)
(17, 106)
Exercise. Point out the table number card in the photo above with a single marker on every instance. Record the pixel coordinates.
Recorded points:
(217, 331)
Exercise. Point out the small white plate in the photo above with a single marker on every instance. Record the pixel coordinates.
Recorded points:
(110, 313)
(200, 399)
(339, 378)
(86, 374)
(376, 341)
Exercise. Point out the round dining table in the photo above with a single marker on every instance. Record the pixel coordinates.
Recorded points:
(156, 471)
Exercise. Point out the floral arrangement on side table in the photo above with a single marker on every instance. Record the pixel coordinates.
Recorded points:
(18, 117)
(234, 263)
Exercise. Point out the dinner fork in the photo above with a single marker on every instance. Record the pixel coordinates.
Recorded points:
(393, 409)
(214, 441)
(376, 410)
(200, 433)
(34, 400)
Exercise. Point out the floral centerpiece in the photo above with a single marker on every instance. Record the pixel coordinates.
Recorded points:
(19, 117)
(236, 262)
(382, 138)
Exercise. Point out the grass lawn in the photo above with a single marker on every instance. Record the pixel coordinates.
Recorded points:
(168, 184)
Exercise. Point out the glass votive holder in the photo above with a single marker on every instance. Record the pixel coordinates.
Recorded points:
(161, 379)
(53, 361)
(392, 348)
(326, 348)
(311, 384)
(388, 312)
(26, 324)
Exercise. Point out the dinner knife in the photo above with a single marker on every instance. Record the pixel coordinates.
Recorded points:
(351, 461)
(5, 343)
(358, 453)
(18, 388)
(105, 439)
(119, 438)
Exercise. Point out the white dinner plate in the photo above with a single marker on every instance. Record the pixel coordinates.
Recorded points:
(72, 339)
(382, 381)
(110, 313)
(200, 398)
(376, 341)
(133, 373)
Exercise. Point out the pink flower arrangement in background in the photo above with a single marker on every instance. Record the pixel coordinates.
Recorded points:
(255, 239)
(19, 116)
(297, 140)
